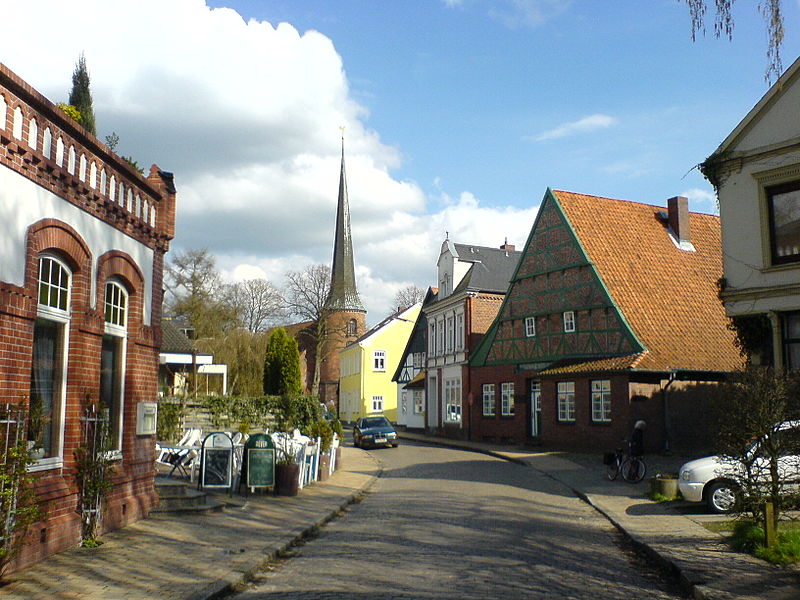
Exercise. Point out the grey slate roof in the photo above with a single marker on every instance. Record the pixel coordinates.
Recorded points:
(343, 294)
(173, 340)
(492, 269)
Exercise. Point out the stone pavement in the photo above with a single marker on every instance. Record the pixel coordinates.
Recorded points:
(177, 556)
(700, 558)
(198, 556)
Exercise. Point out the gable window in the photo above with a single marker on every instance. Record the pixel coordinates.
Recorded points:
(112, 360)
(784, 222)
(530, 326)
(569, 321)
(48, 368)
(601, 401)
(566, 401)
(488, 399)
(507, 398)
(452, 400)
(379, 360)
(377, 404)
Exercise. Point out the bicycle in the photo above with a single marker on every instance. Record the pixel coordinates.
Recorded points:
(632, 468)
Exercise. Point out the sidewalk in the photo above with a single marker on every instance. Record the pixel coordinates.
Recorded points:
(701, 559)
(178, 556)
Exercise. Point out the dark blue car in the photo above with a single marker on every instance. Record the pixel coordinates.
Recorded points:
(374, 432)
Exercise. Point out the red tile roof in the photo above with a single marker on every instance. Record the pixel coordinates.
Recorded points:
(668, 296)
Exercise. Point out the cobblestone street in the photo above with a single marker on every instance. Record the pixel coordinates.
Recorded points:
(442, 523)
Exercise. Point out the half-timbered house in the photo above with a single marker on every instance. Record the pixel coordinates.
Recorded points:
(611, 316)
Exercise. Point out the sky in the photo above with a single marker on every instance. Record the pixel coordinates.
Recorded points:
(457, 114)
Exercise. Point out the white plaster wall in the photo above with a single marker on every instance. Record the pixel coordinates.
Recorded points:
(23, 203)
(780, 121)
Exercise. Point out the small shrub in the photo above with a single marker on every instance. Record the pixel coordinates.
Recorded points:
(170, 416)
(747, 537)
(786, 550)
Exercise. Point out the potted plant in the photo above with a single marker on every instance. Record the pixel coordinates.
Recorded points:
(324, 431)
(287, 471)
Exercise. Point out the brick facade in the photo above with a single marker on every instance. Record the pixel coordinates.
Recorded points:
(66, 195)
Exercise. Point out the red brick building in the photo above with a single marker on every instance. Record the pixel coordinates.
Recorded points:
(612, 316)
(83, 242)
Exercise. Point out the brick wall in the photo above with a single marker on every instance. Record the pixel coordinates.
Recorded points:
(142, 209)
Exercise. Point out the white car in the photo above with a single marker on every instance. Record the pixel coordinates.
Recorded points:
(713, 480)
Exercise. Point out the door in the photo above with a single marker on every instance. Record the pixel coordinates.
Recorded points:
(536, 408)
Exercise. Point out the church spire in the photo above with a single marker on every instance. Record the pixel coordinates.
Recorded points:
(343, 294)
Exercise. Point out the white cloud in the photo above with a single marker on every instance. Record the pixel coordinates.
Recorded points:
(247, 115)
(584, 125)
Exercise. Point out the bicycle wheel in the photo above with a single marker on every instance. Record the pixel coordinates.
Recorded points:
(612, 469)
(633, 470)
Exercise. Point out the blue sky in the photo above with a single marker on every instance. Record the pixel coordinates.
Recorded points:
(458, 114)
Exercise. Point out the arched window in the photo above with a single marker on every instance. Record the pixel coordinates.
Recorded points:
(138, 206)
(93, 175)
(112, 359)
(352, 327)
(121, 194)
(103, 181)
(48, 390)
(3, 111)
(17, 126)
(33, 134)
(112, 190)
(82, 168)
(71, 161)
(47, 144)
(60, 152)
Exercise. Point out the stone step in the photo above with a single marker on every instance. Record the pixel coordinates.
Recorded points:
(177, 496)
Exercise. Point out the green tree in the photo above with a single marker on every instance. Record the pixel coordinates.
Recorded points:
(282, 365)
(81, 95)
(748, 408)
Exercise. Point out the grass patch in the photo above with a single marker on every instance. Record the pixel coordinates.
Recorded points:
(748, 537)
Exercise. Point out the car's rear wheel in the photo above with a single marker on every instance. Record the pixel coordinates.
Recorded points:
(722, 497)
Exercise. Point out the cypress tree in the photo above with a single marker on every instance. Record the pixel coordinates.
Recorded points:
(81, 96)
(282, 365)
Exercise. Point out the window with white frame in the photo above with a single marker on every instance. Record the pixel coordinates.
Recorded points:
(569, 321)
(440, 337)
(460, 331)
(530, 326)
(60, 152)
(418, 359)
(451, 334)
(419, 400)
(601, 401)
(379, 360)
(112, 360)
(507, 398)
(432, 338)
(452, 400)
(377, 404)
(71, 160)
(488, 399)
(566, 401)
(48, 370)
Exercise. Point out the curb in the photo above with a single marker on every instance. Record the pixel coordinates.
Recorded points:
(233, 579)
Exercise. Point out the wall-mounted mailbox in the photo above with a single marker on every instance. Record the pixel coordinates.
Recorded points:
(146, 418)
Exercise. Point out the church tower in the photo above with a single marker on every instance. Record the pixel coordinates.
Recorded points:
(344, 316)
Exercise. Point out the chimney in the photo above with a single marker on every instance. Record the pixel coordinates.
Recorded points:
(678, 208)
(507, 247)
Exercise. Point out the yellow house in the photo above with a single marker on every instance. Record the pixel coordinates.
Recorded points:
(368, 364)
